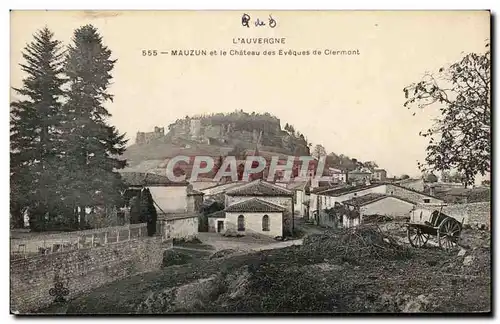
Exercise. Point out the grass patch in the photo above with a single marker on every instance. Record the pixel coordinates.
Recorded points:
(356, 270)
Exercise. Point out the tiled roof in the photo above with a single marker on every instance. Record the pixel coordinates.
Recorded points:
(371, 198)
(148, 179)
(335, 192)
(360, 172)
(194, 192)
(415, 191)
(298, 185)
(259, 188)
(217, 214)
(319, 189)
(407, 180)
(365, 199)
(254, 205)
(224, 186)
(174, 216)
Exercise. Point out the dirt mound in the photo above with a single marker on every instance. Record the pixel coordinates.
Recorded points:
(356, 244)
(179, 299)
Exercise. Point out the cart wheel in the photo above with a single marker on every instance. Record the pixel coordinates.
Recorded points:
(448, 234)
(416, 237)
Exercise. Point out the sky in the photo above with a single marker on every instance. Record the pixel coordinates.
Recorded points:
(350, 104)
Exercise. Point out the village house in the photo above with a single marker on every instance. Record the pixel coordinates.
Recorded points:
(359, 176)
(338, 176)
(300, 191)
(375, 204)
(256, 207)
(178, 205)
(254, 216)
(379, 175)
(323, 199)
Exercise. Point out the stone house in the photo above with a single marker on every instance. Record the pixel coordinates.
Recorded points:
(254, 216)
(359, 176)
(327, 198)
(267, 194)
(300, 191)
(371, 204)
(338, 176)
(180, 226)
(379, 175)
(177, 204)
(381, 204)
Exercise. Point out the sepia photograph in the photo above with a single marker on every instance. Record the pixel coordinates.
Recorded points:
(250, 162)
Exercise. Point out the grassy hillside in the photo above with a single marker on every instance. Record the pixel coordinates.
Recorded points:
(356, 271)
(157, 150)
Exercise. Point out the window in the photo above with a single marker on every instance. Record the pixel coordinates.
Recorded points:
(295, 196)
(265, 223)
(426, 201)
(241, 223)
(355, 194)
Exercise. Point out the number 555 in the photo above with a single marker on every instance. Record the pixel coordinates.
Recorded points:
(149, 52)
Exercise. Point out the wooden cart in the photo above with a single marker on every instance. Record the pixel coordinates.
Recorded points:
(446, 229)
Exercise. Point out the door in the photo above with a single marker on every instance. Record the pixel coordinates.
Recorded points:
(220, 226)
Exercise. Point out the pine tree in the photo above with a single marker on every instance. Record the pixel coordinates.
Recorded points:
(35, 138)
(92, 145)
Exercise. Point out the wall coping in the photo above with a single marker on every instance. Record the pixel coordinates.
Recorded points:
(111, 244)
(44, 237)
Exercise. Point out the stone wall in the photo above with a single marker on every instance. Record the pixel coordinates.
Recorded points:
(80, 270)
(473, 213)
(181, 227)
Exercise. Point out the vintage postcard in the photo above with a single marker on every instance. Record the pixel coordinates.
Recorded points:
(166, 162)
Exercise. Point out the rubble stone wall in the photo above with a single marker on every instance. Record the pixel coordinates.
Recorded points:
(80, 270)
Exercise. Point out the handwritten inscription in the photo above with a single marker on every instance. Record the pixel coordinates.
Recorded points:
(246, 21)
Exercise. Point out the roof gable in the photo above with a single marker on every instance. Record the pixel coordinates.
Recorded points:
(299, 185)
(415, 191)
(217, 214)
(371, 198)
(255, 205)
(259, 188)
(344, 190)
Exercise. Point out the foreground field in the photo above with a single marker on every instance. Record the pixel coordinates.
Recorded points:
(352, 271)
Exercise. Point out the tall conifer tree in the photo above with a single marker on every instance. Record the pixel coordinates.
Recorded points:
(92, 144)
(35, 138)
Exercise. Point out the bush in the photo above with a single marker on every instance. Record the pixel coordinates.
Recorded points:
(193, 240)
(174, 257)
(222, 253)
